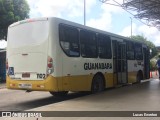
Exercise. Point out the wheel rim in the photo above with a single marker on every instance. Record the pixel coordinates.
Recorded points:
(96, 86)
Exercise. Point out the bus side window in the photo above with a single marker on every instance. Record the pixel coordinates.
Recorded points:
(138, 51)
(88, 44)
(69, 40)
(65, 46)
(130, 50)
(104, 46)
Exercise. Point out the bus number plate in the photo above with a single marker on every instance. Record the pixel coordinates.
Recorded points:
(25, 85)
(41, 76)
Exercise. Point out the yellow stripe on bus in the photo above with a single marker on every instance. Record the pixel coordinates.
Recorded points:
(67, 83)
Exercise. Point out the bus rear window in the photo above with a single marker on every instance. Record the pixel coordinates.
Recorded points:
(28, 34)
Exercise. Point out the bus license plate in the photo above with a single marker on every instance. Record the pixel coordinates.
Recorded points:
(24, 85)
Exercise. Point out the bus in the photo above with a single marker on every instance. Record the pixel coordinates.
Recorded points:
(58, 56)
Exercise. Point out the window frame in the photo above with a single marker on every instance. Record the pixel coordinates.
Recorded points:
(133, 50)
(140, 46)
(62, 26)
(82, 41)
(107, 40)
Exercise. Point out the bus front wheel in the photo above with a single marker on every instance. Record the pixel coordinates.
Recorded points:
(97, 84)
(59, 94)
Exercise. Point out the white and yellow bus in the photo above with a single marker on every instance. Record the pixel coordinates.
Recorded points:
(55, 55)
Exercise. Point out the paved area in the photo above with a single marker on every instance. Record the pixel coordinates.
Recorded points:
(144, 96)
(19, 100)
(2, 85)
(136, 97)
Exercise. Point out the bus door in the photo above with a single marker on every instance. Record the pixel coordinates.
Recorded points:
(122, 63)
(114, 50)
(119, 61)
(146, 62)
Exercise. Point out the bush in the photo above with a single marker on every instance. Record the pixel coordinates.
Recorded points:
(152, 65)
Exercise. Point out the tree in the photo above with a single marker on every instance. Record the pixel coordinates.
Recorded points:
(11, 11)
(147, 42)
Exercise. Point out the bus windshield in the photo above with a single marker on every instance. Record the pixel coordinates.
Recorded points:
(28, 34)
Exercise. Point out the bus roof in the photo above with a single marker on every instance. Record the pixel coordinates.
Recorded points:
(59, 20)
(28, 21)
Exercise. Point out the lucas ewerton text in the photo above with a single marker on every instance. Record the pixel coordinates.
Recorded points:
(145, 114)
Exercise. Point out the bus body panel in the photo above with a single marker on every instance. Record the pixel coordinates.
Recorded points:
(69, 73)
(27, 51)
(133, 67)
(19, 63)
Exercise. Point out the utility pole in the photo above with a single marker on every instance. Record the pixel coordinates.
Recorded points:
(84, 12)
(131, 26)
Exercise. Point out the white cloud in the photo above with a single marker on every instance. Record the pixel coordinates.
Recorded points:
(74, 8)
(148, 30)
(3, 44)
(111, 8)
(151, 33)
(104, 20)
(56, 8)
(103, 23)
(127, 30)
(157, 40)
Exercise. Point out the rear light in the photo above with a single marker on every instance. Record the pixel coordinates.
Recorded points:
(12, 85)
(49, 65)
(40, 86)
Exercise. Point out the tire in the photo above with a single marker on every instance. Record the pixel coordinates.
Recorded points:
(97, 84)
(139, 77)
(59, 94)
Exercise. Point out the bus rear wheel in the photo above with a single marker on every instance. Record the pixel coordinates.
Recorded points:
(59, 94)
(97, 84)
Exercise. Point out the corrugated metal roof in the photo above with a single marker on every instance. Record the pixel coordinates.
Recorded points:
(147, 10)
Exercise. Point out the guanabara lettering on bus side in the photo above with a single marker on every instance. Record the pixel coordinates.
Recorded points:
(97, 66)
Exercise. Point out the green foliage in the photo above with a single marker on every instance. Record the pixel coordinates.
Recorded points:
(12, 11)
(152, 65)
(148, 43)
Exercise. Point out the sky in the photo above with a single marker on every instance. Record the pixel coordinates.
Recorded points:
(98, 15)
